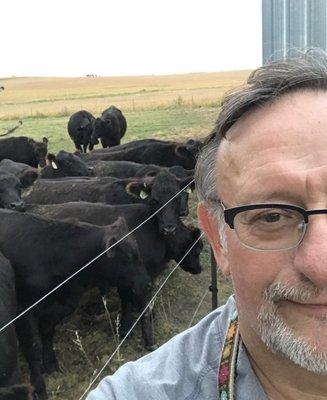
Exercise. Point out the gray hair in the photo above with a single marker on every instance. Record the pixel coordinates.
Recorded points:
(306, 70)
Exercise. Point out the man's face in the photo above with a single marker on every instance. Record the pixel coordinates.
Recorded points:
(278, 154)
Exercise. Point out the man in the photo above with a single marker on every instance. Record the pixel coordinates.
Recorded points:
(262, 183)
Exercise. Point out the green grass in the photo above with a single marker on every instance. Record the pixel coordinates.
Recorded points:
(176, 124)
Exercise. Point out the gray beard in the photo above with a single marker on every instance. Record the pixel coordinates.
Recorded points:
(280, 338)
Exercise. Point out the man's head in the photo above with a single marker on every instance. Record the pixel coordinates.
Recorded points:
(269, 146)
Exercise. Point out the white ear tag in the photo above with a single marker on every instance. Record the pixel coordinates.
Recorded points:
(54, 165)
(188, 190)
(143, 194)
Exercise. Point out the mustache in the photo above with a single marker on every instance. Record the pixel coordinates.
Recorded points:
(302, 292)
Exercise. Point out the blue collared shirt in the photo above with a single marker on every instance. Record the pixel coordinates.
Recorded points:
(184, 368)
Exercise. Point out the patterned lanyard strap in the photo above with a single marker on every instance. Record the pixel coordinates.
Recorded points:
(227, 366)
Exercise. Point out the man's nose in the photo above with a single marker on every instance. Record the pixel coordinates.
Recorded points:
(311, 255)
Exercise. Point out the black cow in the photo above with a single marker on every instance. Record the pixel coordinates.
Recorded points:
(156, 250)
(109, 128)
(9, 372)
(24, 150)
(24, 172)
(10, 191)
(80, 130)
(65, 164)
(156, 191)
(151, 151)
(128, 169)
(37, 249)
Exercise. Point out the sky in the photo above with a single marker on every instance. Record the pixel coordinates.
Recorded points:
(128, 37)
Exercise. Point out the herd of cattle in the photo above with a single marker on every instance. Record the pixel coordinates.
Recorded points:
(60, 211)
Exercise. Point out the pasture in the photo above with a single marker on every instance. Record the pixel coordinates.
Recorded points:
(164, 107)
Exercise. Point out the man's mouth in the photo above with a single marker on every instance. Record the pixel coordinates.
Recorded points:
(313, 308)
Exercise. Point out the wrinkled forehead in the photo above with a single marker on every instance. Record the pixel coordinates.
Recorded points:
(289, 134)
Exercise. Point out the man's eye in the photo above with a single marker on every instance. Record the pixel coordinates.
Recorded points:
(271, 217)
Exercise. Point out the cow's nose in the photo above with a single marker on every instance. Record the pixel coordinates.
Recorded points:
(18, 206)
(169, 230)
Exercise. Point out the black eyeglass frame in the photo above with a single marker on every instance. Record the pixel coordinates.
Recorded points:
(230, 213)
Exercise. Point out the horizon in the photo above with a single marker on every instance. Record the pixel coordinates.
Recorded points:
(124, 76)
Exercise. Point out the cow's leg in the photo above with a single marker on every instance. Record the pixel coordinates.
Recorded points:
(67, 298)
(104, 143)
(147, 330)
(29, 340)
(78, 146)
(91, 146)
(47, 331)
(126, 321)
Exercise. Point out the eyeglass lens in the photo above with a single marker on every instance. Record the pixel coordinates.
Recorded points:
(270, 228)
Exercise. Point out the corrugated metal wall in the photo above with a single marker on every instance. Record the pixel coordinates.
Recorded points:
(288, 25)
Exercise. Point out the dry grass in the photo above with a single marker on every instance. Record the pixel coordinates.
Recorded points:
(24, 97)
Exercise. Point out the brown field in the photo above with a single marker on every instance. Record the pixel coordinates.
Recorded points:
(25, 97)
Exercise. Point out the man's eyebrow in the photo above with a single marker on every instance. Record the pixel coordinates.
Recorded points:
(283, 195)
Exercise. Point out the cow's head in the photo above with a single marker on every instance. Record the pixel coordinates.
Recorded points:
(181, 172)
(187, 152)
(100, 128)
(10, 192)
(40, 150)
(181, 244)
(194, 146)
(129, 270)
(85, 129)
(28, 177)
(160, 191)
(68, 164)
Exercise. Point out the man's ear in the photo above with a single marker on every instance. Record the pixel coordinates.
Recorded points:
(210, 227)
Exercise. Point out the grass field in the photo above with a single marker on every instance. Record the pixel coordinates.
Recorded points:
(167, 107)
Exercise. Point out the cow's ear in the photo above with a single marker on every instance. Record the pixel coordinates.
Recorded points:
(187, 181)
(195, 233)
(182, 150)
(52, 161)
(139, 189)
(28, 178)
(151, 173)
(45, 141)
(31, 141)
(50, 157)
(190, 143)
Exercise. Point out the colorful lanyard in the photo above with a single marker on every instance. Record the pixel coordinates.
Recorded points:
(227, 366)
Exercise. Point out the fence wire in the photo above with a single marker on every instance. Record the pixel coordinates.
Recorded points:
(90, 262)
(138, 319)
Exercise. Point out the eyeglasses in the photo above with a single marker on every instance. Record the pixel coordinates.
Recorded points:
(269, 227)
